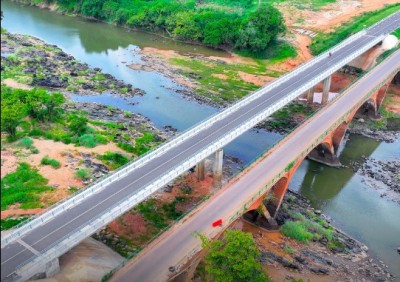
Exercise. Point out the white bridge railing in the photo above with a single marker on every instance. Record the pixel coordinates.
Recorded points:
(78, 197)
(29, 268)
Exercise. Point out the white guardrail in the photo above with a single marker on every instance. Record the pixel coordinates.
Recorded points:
(29, 268)
(79, 196)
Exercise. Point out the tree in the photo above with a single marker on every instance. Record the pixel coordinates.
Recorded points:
(12, 111)
(52, 101)
(259, 29)
(233, 259)
(78, 124)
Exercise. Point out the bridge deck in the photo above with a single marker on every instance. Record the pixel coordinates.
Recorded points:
(71, 221)
(174, 246)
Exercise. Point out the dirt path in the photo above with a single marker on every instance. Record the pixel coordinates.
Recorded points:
(19, 212)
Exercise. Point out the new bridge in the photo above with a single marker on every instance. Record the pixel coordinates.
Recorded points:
(33, 247)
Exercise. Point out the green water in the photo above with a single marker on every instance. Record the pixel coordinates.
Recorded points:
(341, 194)
(354, 206)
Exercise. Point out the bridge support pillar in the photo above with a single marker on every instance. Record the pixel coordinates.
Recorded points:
(201, 170)
(217, 169)
(310, 95)
(268, 217)
(325, 91)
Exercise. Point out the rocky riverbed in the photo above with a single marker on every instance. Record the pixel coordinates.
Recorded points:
(30, 60)
(383, 176)
(339, 259)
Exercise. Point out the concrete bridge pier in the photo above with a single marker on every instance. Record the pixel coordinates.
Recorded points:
(325, 92)
(310, 95)
(201, 170)
(217, 168)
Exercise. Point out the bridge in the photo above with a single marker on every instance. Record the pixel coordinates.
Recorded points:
(35, 246)
(246, 192)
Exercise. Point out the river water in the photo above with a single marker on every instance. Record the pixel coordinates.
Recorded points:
(339, 193)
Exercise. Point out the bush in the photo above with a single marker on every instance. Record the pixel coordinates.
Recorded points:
(83, 174)
(26, 142)
(36, 132)
(87, 140)
(52, 162)
(114, 159)
(34, 150)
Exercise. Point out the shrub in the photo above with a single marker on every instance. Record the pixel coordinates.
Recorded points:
(52, 162)
(36, 132)
(114, 159)
(26, 142)
(34, 150)
(83, 174)
(87, 140)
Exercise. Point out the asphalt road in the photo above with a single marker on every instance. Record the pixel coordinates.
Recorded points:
(16, 253)
(152, 264)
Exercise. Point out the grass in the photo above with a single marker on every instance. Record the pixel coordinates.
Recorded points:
(9, 223)
(324, 41)
(303, 229)
(297, 231)
(83, 174)
(142, 144)
(24, 187)
(276, 52)
(114, 159)
(52, 162)
(159, 216)
(217, 89)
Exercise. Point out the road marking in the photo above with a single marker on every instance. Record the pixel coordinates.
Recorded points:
(228, 124)
(28, 247)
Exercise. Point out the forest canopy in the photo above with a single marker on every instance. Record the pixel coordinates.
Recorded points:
(237, 24)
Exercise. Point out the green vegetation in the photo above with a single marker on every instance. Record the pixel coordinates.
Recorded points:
(142, 144)
(38, 113)
(233, 259)
(26, 143)
(323, 41)
(304, 229)
(218, 23)
(83, 174)
(288, 250)
(159, 216)
(23, 186)
(9, 223)
(52, 162)
(114, 159)
(285, 118)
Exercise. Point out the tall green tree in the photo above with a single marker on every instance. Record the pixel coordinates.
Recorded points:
(52, 101)
(12, 111)
(260, 29)
(233, 259)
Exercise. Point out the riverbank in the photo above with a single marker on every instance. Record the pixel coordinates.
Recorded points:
(29, 60)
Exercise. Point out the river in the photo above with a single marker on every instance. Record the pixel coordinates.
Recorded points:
(339, 193)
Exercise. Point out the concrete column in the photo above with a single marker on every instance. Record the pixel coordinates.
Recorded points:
(325, 91)
(310, 95)
(271, 221)
(201, 170)
(217, 169)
